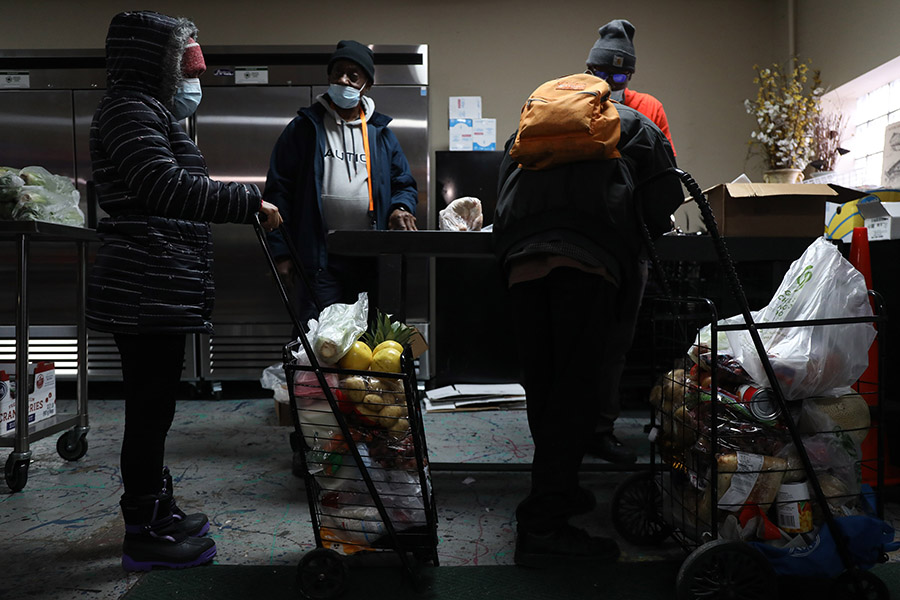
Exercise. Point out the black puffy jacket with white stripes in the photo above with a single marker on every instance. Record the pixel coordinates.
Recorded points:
(153, 272)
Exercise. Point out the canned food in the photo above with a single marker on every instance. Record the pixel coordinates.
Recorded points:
(762, 404)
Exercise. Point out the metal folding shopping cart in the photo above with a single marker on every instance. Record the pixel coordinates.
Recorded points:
(361, 442)
(726, 457)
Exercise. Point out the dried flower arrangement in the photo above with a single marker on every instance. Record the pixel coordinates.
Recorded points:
(786, 107)
(828, 128)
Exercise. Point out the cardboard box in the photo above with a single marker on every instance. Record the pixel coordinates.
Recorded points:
(774, 209)
(283, 414)
(41, 388)
(882, 219)
(464, 107)
(484, 134)
(461, 134)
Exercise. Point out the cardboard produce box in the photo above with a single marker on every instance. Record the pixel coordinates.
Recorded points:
(774, 209)
(41, 394)
(882, 219)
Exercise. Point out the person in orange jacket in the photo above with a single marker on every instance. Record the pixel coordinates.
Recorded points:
(612, 58)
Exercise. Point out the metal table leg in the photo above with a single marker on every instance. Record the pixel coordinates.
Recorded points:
(16, 470)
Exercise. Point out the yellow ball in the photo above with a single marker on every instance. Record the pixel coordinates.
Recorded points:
(358, 357)
(389, 344)
(386, 360)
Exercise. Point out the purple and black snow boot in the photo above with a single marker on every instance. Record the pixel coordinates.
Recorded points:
(194, 524)
(154, 539)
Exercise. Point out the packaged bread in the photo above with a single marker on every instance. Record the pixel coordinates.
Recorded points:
(849, 412)
(745, 478)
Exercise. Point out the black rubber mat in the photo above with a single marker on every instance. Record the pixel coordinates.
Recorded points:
(620, 581)
(634, 581)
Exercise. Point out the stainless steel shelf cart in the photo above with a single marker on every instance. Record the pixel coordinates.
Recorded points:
(72, 444)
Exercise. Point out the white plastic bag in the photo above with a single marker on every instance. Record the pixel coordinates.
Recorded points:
(463, 214)
(273, 378)
(810, 361)
(339, 326)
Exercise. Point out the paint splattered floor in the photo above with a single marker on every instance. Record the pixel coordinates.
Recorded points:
(61, 535)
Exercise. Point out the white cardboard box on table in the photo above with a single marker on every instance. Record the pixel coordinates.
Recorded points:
(41, 397)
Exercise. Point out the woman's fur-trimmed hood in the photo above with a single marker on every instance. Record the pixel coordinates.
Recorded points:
(143, 53)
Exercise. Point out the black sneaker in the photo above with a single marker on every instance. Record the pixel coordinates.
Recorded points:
(610, 449)
(561, 547)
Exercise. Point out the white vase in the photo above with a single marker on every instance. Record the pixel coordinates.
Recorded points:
(783, 176)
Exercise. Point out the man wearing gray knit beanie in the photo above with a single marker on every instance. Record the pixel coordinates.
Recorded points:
(612, 58)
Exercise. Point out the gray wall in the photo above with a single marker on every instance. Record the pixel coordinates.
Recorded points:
(847, 39)
(696, 56)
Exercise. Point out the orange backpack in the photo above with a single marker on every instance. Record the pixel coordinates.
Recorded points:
(566, 120)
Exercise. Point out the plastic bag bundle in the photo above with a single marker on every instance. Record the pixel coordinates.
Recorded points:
(463, 214)
(812, 360)
(339, 326)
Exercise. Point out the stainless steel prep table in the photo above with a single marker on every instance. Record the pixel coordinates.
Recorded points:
(72, 444)
(393, 247)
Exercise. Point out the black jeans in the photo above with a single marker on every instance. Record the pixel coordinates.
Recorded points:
(151, 368)
(564, 324)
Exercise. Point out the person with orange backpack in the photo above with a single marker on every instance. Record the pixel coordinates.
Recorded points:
(568, 235)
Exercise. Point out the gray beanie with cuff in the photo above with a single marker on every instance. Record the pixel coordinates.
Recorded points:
(614, 47)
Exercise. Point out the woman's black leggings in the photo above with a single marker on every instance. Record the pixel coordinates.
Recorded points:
(151, 368)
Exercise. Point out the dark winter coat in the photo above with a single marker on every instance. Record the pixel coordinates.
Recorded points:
(153, 272)
(294, 182)
(590, 204)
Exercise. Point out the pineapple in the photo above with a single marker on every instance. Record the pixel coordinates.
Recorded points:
(383, 329)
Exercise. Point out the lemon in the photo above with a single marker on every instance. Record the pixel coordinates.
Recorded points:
(386, 360)
(358, 357)
(388, 344)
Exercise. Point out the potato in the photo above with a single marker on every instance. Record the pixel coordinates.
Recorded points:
(390, 414)
(355, 387)
(400, 428)
(377, 401)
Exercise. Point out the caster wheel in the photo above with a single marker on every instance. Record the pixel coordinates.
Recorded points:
(637, 510)
(322, 574)
(726, 569)
(859, 585)
(16, 472)
(70, 446)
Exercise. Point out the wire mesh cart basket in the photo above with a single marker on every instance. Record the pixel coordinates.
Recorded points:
(762, 488)
(364, 461)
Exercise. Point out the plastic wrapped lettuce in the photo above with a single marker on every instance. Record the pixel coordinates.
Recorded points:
(10, 184)
(35, 194)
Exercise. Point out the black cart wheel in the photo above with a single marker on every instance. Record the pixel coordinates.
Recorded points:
(637, 510)
(322, 574)
(726, 569)
(16, 473)
(859, 585)
(71, 446)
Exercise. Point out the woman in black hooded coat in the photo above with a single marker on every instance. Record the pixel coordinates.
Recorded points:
(151, 283)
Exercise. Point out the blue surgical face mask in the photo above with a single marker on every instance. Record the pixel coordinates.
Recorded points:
(187, 98)
(344, 96)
